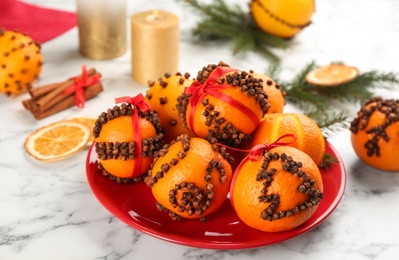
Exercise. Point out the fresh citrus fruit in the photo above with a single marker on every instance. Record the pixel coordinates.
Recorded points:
(190, 179)
(278, 192)
(274, 93)
(223, 105)
(309, 136)
(282, 18)
(115, 142)
(57, 141)
(375, 133)
(162, 97)
(332, 75)
(89, 121)
(21, 62)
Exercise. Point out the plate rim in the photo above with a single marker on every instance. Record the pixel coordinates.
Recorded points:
(191, 242)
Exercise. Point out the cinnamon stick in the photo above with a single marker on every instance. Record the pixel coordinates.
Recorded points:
(55, 95)
(69, 101)
(43, 90)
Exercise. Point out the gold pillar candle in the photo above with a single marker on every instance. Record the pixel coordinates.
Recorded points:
(102, 28)
(155, 45)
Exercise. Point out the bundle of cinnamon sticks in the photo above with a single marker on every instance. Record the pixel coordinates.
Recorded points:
(50, 99)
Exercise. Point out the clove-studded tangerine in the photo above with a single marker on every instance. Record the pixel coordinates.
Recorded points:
(375, 133)
(223, 104)
(162, 97)
(126, 139)
(274, 93)
(190, 178)
(278, 191)
(20, 63)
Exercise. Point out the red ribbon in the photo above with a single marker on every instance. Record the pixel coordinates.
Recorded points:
(80, 84)
(199, 91)
(257, 151)
(138, 103)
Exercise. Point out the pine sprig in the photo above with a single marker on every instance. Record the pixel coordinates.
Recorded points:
(318, 102)
(330, 121)
(230, 22)
(328, 161)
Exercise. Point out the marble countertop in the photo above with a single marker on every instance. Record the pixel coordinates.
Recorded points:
(49, 212)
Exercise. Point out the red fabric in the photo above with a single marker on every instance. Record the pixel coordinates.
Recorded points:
(41, 24)
(138, 102)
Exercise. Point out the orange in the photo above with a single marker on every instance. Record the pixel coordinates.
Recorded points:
(115, 141)
(57, 141)
(309, 136)
(375, 133)
(89, 121)
(216, 119)
(162, 96)
(20, 64)
(274, 93)
(278, 192)
(190, 179)
(282, 18)
(332, 75)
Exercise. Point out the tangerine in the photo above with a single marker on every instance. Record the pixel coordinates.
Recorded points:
(223, 105)
(282, 18)
(375, 133)
(21, 62)
(162, 97)
(309, 136)
(278, 192)
(190, 178)
(116, 146)
(274, 93)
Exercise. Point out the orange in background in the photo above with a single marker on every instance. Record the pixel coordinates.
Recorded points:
(375, 134)
(21, 62)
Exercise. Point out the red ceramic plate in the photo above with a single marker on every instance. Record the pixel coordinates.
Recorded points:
(135, 205)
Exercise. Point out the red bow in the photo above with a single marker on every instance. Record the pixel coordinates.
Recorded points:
(80, 84)
(257, 151)
(199, 91)
(139, 103)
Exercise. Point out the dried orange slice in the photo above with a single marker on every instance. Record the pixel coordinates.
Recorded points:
(57, 141)
(89, 121)
(332, 75)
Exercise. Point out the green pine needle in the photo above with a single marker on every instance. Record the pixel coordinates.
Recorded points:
(317, 102)
(230, 22)
(328, 161)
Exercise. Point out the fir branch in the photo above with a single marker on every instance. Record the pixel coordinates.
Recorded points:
(327, 161)
(330, 121)
(317, 102)
(361, 88)
(230, 22)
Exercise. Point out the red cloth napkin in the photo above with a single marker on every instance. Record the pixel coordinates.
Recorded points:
(41, 24)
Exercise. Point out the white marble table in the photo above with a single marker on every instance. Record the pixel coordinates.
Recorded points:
(49, 212)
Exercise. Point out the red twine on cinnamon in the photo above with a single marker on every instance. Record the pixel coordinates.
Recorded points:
(199, 91)
(79, 85)
(138, 103)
